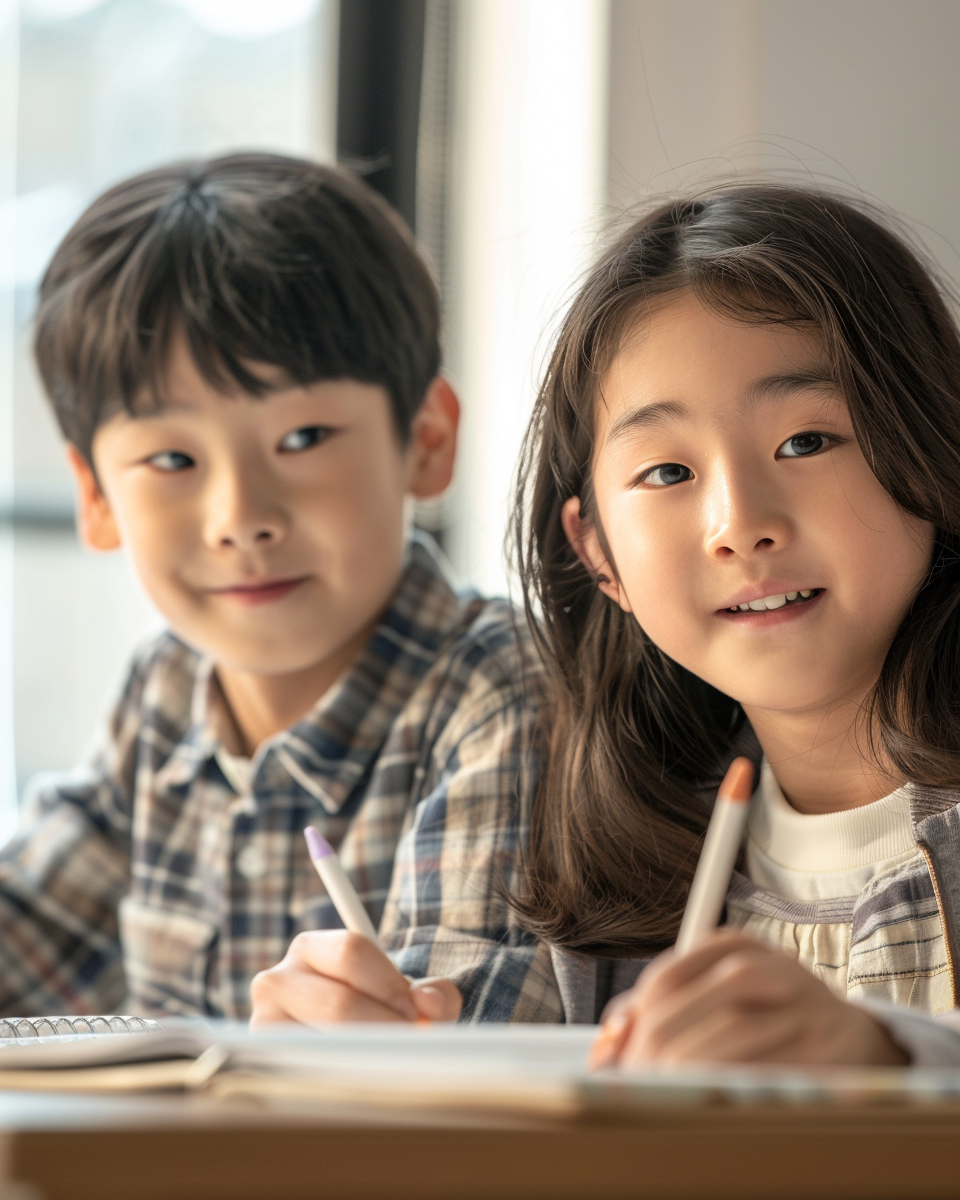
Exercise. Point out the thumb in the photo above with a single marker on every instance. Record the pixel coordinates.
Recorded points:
(436, 999)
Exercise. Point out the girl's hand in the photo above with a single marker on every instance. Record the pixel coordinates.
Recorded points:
(735, 1000)
(333, 975)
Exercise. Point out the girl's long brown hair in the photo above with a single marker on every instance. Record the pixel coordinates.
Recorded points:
(634, 743)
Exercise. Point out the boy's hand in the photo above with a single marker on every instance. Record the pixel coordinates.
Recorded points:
(735, 1000)
(333, 975)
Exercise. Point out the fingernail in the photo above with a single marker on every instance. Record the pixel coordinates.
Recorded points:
(609, 1043)
(434, 1003)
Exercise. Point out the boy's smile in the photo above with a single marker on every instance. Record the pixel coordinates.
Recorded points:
(744, 529)
(260, 591)
(268, 531)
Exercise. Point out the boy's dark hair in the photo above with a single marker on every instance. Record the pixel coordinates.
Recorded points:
(637, 744)
(254, 258)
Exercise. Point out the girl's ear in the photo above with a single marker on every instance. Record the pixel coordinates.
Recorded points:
(582, 536)
(95, 522)
(433, 440)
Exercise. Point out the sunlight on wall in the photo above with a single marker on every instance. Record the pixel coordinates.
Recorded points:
(530, 184)
(9, 41)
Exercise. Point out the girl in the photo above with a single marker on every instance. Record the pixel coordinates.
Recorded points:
(739, 525)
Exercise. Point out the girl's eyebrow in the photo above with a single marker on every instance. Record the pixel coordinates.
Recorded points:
(647, 414)
(784, 383)
(770, 387)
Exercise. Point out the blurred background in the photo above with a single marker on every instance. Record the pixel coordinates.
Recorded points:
(509, 133)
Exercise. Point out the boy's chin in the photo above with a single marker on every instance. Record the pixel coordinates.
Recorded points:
(287, 657)
(268, 665)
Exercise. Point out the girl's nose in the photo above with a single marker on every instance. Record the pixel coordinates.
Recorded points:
(745, 517)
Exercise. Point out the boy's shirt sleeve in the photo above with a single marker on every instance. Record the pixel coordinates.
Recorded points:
(62, 876)
(448, 912)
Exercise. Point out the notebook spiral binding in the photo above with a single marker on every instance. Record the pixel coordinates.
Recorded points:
(18, 1028)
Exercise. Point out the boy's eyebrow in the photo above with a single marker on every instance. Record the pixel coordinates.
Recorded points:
(159, 408)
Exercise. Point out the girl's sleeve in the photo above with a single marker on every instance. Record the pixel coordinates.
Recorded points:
(931, 1041)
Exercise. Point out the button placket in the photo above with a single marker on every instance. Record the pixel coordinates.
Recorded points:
(251, 861)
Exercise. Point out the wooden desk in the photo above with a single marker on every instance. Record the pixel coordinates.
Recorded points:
(152, 1148)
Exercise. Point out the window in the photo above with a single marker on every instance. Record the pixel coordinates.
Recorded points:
(92, 91)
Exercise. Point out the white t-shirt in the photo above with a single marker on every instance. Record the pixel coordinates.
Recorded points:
(821, 888)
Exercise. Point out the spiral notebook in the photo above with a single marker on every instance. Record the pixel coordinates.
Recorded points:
(21, 1028)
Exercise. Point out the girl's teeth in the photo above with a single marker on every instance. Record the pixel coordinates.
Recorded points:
(768, 603)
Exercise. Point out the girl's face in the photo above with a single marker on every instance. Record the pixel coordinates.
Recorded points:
(727, 475)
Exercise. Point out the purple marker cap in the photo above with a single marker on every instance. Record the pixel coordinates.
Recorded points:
(318, 845)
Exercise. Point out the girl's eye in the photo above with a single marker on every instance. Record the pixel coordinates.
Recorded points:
(802, 445)
(170, 460)
(303, 439)
(666, 474)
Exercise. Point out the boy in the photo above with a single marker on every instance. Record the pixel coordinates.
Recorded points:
(243, 356)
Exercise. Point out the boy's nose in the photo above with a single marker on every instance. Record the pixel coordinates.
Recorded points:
(242, 517)
(243, 538)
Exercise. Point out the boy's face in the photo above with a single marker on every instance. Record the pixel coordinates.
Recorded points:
(269, 532)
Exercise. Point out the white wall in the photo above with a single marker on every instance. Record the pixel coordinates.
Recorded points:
(864, 92)
(569, 111)
(529, 188)
(9, 46)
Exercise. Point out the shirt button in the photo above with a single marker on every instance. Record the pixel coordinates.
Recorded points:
(252, 861)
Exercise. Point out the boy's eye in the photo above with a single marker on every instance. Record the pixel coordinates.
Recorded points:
(304, 438)
(666, 474)
(802, 445)
(170, 460)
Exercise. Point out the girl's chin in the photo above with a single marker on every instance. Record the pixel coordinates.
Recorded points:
(788, 702)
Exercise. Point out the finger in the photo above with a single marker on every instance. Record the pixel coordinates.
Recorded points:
(608, 1047)
(670, 971)
(286, 994)
(657, 988)
(353, 960)
(730, 1036)
(619, 1003)
(436, 999)
(265, 1003)
(615, 1022)
(744, 982)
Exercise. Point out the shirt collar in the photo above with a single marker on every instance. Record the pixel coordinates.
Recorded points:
(330, 750)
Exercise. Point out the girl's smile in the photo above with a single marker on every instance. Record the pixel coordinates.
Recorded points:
(771, 608)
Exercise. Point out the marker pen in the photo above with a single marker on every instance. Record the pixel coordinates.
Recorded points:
(339, 888)
(720, 849)
(707, 893)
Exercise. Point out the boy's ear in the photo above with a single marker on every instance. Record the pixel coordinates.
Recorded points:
(583, 537)
(433, 440)
(95, 522)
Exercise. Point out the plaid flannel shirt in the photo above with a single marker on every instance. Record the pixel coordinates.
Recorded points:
(147, 880)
